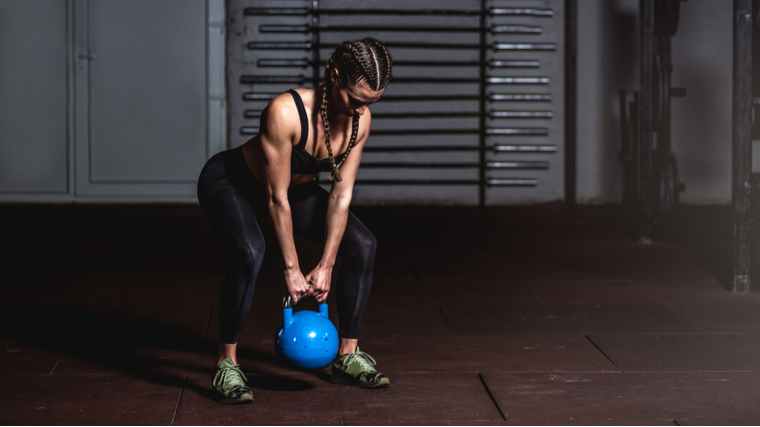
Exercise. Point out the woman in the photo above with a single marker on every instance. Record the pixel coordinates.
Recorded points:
(302, 132)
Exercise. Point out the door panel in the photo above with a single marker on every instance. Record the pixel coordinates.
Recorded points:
(147, 103)
(34, 143)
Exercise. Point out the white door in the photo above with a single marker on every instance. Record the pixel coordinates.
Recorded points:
(34, 136)
(149, 96)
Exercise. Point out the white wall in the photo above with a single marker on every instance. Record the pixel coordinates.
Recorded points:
(608, 44)
(703, 64)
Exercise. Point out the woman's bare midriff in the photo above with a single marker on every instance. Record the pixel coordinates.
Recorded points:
(253, 157)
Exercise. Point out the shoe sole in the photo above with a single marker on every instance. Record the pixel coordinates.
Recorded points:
(339, 377)
(242, 400)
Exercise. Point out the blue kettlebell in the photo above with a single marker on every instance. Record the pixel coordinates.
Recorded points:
(306, 339)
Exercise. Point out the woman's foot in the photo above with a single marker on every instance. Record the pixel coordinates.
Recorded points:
(358, 369)
(229, 382)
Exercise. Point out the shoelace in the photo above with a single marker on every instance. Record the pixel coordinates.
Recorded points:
(220, 379)
(364, 360)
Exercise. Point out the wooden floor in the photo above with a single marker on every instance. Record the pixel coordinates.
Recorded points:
(497, 316)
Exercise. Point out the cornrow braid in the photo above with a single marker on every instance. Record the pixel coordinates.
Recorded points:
(355, 61)
(372, 78)
(388, 61)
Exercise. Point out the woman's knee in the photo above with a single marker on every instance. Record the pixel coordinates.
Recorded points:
(370, 245)
(362, 246)
(247, 255)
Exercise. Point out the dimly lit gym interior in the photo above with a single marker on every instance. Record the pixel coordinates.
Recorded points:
(563, 195)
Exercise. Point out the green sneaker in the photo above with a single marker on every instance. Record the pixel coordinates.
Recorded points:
(229, 382)
(358, 369)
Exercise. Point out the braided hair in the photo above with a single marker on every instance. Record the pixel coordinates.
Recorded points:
(365, 60)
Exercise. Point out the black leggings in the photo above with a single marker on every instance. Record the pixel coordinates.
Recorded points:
(229, 195)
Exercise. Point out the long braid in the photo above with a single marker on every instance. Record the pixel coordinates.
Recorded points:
(326, 124)
(335, 174)
(367, 61)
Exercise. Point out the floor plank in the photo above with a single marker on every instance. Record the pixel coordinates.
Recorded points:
(566, 319)
(625, 399)
(681, 352)
(85, 400)
(410, 398)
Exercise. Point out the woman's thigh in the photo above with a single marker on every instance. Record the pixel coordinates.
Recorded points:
(230, 212)
(308, 203)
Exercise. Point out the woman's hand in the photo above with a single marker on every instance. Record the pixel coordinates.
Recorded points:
(298, 286)
(320, 278)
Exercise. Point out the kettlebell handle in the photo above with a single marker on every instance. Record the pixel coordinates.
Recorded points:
(287, 307)
(287, 301)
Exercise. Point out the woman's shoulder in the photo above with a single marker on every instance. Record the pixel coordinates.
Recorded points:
(307, 96)
(280, 117)
(281, 107)
(284, 103)
(283, 100)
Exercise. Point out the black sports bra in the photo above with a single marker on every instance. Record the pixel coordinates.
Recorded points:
(301, 162)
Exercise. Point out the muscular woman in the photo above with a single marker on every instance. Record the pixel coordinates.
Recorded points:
(302, 132)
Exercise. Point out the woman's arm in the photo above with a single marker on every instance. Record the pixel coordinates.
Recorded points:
(337, 212)
(278, 128)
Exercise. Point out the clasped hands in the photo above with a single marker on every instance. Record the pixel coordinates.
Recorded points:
(315, 284)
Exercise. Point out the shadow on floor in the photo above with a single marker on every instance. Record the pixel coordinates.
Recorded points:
(93, 342)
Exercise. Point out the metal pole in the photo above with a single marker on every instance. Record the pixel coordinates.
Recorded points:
(315, 42)
(742, 142)
(571, 52)
(482, 106)
(316, 75)
(645, 122)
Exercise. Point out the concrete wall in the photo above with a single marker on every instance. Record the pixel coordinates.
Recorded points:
(703, 64)
(607, 61)
(548, 180)
(608, 44)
